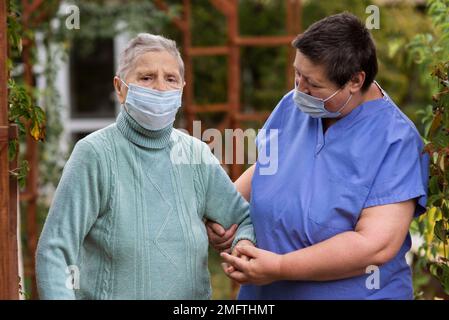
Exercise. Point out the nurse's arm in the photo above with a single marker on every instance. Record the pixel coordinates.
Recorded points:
(243, 183)
(377, 238)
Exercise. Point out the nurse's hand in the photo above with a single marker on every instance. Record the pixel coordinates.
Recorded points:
(219, 238)
(263, 267)
(236, 253)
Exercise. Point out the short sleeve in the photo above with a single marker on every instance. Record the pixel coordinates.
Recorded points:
(402, 175)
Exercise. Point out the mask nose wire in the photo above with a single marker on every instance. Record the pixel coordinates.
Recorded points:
(332, 95)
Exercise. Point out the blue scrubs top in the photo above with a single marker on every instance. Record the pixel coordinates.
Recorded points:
(373, 156)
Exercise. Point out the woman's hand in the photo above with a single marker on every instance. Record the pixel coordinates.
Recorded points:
(236, 253)
(263, 267)
(219, 238)
(242, 243)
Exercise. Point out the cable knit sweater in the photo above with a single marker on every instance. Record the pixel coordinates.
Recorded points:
(127, 222)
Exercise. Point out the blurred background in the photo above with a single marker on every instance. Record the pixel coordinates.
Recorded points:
(62, 56)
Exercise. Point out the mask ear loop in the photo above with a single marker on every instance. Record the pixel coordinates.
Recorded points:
(346, 103)
(336, 92)
(124, 104)
(124, 82)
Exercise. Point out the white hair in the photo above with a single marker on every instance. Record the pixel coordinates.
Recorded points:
(143, 43)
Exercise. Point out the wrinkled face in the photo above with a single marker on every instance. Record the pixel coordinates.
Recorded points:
(158, 70)
(311, 79)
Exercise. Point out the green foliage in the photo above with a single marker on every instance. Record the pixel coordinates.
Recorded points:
(21, 173)
(263, 69)
(221, 284)
(427, 48)
(430, 51)
(101, 19)
(14, 28)
(399, 23)
(51, 156)
(22, 109)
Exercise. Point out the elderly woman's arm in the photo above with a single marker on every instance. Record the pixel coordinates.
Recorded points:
(223, 204)
(377, 238)
(76, 205)
(220, 238)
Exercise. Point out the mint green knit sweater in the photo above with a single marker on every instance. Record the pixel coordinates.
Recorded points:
(127, 217)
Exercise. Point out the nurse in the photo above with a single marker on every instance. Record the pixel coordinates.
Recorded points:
(333, 221)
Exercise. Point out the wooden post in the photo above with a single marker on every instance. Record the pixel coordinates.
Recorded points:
(188, 65)
(234, 80)
(8, 234)
(293, 24)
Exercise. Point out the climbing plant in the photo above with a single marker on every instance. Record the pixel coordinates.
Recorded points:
(22, 108)
(430, 52)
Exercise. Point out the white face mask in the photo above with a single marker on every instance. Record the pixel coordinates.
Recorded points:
(314, 107)
(152, 109)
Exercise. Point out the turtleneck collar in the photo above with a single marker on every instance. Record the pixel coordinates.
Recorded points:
(140, 136)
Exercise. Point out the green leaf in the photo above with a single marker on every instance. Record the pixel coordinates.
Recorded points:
(434, 200)
(12, 149)
(434, 185)
(444, 278)
(436, 123)
(445, 210)
(434, 269)
(394, 46)
(440, 231)
(22, 173)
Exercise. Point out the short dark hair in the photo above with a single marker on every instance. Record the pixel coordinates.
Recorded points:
(343, 45)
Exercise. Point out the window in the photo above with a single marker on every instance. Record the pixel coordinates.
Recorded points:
(91, 76)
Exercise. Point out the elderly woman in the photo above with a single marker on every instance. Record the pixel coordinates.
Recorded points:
(127, 217)
(333, 221)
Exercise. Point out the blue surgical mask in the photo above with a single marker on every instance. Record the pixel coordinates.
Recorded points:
(314, 107)
(152, 109)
